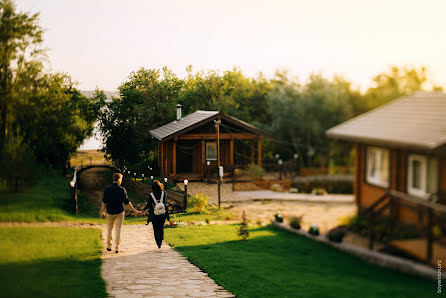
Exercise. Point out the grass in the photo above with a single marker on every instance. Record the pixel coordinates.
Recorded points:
(276, 263)
(85, 157)
(50, 262)
(212, 214)
(48, 200)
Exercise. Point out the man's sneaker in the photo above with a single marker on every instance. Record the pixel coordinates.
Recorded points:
(117, 251)
(109, 249)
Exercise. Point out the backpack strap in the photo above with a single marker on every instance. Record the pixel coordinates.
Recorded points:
(154, 199)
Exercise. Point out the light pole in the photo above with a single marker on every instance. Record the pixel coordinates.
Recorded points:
(217, 128)
(165, 183)
(134, 175)
(142, 175)
(185, 195)
(280, 169)
(296, 156)
(151, 180)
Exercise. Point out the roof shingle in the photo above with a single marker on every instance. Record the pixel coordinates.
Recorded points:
(417, 121)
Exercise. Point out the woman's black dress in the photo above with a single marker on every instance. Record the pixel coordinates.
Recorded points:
(157, 220)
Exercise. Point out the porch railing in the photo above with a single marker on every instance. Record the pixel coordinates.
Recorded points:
(391, 200)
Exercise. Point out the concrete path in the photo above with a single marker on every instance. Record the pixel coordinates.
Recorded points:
(139, 270)
(272, 195)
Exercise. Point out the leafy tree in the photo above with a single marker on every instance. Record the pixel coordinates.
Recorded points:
(20, 57)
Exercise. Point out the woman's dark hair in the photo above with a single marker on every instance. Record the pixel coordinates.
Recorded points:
(157, 186)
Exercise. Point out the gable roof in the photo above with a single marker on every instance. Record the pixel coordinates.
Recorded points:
(195, 120)
(417, 121)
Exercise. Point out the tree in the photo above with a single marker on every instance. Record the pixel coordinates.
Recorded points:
(20, 57)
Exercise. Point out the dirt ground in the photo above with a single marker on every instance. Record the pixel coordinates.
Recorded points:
(325, 215)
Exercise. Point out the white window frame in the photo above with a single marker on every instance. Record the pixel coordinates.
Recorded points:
(419, 192)
(375, 179)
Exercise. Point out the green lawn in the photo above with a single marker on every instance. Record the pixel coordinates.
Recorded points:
(276, 263)
(50, 262)
(48, 200)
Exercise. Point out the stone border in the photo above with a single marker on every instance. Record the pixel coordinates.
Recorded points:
(374, 257)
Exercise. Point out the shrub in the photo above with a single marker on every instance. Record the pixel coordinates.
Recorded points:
(337, 234)
(255, 172)
(197, 203)
(314, 230)
(342, 184)
(319, 191)
(243, 230)
(278, 217)
(295, 222)
(277, 188)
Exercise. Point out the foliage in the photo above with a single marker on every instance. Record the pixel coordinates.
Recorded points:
(255, 172)
(318, 191)
(197, 203)
(44, 111)
(337, 234)
(296, 221)
(287, 259)
(243, 230)
(340, 184)
(278, 217)
(50, 262)
(314, 230)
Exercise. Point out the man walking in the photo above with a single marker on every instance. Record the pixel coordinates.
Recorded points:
(114, 199)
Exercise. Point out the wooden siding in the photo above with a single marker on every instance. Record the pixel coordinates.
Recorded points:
(366, 194)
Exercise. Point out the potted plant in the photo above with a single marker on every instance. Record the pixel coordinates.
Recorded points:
(337, 234)
(278, 217)
(295, 222)
(314, 230)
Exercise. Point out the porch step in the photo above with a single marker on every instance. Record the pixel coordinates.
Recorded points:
(417, 248)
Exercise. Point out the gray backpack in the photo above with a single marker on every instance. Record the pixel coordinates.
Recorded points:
(159, 206)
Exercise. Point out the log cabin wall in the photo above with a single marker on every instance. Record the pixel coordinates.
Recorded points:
(366, 194)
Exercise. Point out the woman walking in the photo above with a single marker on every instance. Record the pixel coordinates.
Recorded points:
(158, 213)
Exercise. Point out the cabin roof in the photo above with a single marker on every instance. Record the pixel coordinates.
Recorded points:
(196, 119)
(416, 121)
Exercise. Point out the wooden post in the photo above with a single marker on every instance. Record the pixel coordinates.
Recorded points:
(430, 236)
(174, 157)
(252, 152)
(203, 157)
(161, 156)
(259, 152)
(231, 152)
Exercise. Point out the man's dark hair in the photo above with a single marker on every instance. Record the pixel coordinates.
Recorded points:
(116, 177)
(156, 185)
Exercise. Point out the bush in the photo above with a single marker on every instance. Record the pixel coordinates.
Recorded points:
(342, 184)
(255, 172)
(197, 203)
(337, 234)
(278, 217)
(243, 230)
(295, 222)
(314, 230)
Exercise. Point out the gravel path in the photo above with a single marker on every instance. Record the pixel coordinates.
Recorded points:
(139, 270)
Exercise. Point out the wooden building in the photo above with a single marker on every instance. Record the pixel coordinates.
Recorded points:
(188, 143)
(401, 154)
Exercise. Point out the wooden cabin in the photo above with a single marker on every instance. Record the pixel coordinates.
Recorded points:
(186, 145)
(401, 152)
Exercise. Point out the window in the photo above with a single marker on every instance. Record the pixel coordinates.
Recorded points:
(377, 166)
(422, 175)
(211, 151)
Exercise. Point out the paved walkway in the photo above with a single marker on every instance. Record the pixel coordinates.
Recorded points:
(286, 196)
(139, 270)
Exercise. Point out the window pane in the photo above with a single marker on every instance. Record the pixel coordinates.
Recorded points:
(416, 174)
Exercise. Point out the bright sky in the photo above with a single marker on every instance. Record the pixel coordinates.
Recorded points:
(100, 42)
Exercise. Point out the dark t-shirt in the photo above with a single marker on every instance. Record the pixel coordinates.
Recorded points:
(115, 196)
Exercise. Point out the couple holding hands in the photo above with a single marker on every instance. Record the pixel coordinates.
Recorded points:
(113, 201)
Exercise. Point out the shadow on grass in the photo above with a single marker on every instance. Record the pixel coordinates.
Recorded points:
(282, 264)
(52, 278)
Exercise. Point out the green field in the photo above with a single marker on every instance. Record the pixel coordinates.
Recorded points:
(50, 262)
(276, 263)
(48, 200)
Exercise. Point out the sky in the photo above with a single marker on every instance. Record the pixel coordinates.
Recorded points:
(99, 43)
